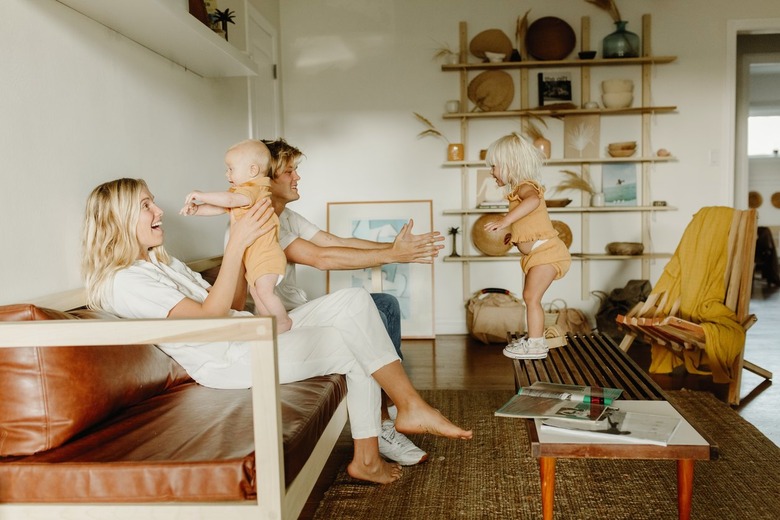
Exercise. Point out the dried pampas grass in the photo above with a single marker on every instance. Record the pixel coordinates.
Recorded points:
(574, 181)
(431, 130)
(609, 6)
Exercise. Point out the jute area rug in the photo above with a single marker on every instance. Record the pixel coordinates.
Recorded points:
(495, 476)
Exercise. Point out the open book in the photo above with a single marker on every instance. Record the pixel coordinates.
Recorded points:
(552, 400)
(619, 426)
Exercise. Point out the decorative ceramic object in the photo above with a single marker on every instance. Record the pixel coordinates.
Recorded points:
(455, 152)
(621, 43)
(617, 99)
(495, 57)
(490, 243)
(625, 248)
(452, 106)
(597, 199)
(544, 145)
(617, 85)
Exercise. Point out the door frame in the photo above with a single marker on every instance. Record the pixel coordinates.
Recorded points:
(253, 13)
(736, 127)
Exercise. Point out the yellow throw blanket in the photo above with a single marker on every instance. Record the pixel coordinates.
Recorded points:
(695, 274)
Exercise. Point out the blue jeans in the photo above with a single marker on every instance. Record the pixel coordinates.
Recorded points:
(390, 311)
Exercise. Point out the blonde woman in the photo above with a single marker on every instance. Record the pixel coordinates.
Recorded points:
(514, 162)
(129, 274)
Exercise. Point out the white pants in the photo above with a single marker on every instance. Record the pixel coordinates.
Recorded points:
(340, 333)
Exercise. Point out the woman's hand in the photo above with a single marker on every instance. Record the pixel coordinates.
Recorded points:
(255, 223)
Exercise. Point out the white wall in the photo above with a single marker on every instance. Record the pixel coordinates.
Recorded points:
(355, 71)
(82, 105)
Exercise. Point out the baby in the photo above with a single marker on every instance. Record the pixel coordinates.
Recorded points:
(247, 167)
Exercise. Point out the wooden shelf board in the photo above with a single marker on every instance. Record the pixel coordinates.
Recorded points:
(553, 162)
(566, 209)
(166, 28)
(540, 112)
(531, 64)
(574, 256)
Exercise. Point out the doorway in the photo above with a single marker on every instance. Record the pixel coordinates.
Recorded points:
(264, 97)
(749, 42)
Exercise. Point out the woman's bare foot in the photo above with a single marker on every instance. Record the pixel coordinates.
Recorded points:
(378, 471)
(423, 418)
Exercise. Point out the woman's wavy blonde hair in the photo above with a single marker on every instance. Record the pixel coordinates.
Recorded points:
(109, 241)
(516, 158)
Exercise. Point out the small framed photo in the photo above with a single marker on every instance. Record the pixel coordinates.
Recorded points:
(618, 182)
(554, 87)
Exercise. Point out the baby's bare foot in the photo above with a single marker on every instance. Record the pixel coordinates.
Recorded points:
(379, 471)
(426, 419)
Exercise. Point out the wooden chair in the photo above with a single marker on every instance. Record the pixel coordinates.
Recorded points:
(664, 322)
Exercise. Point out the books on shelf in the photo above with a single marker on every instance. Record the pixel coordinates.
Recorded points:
(618, 426)
(553, 400)
(493, 205)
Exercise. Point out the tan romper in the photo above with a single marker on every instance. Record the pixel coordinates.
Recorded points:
(265, 255)
(537, 226)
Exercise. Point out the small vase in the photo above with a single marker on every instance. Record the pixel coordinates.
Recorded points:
(621, 43)
(543, 145)
(455, 152)
(597, 200)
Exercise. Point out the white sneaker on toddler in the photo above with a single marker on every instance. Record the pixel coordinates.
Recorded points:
(525, 348)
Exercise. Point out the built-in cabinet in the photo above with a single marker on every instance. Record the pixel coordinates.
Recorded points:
(645, 157)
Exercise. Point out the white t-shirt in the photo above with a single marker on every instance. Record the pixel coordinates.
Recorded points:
(291, 227)
(149, 290)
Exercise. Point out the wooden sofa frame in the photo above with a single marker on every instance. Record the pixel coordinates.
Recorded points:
(274, 500)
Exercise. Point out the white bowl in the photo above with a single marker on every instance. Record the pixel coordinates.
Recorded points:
(617, 99)
(610, 86)
(495, 57)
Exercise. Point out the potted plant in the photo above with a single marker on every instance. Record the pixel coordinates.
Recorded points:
(444, 52)
(537, 137)
(455, 151)
(223, 18)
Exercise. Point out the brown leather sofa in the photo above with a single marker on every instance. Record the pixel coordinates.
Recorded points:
(107, 418)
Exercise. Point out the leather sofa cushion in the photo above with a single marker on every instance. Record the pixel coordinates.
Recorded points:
(50, 395)
(190, 443)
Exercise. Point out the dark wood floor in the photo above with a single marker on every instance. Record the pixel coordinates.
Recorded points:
(460, 363)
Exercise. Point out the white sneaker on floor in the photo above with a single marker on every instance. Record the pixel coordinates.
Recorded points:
(397, 446)
(527, 349)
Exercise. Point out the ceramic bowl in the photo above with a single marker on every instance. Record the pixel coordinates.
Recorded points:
(617, 99)
(586, 55)
(625, 145)
(609, 86)
(621, 153)
(495, 57)
(625, 248)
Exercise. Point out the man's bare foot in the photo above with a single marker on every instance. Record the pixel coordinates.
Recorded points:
(379, 472)
(423, 418)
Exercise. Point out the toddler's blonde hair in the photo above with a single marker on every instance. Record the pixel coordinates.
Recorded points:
(516, 159)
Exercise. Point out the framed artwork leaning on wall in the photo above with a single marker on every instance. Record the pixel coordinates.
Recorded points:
(412, 284)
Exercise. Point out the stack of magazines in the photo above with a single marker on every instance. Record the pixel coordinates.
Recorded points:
(588, 412)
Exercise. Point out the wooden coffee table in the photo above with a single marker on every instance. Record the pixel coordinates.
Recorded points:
(595, 360)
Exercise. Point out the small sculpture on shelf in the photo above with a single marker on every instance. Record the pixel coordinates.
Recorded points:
(453, 231)
(223, 18)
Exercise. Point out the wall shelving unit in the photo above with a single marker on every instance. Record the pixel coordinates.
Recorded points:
(645, 158)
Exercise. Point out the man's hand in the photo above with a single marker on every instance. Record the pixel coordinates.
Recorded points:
(421, 249)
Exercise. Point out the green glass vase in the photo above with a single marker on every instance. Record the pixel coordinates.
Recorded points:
(621, 43)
